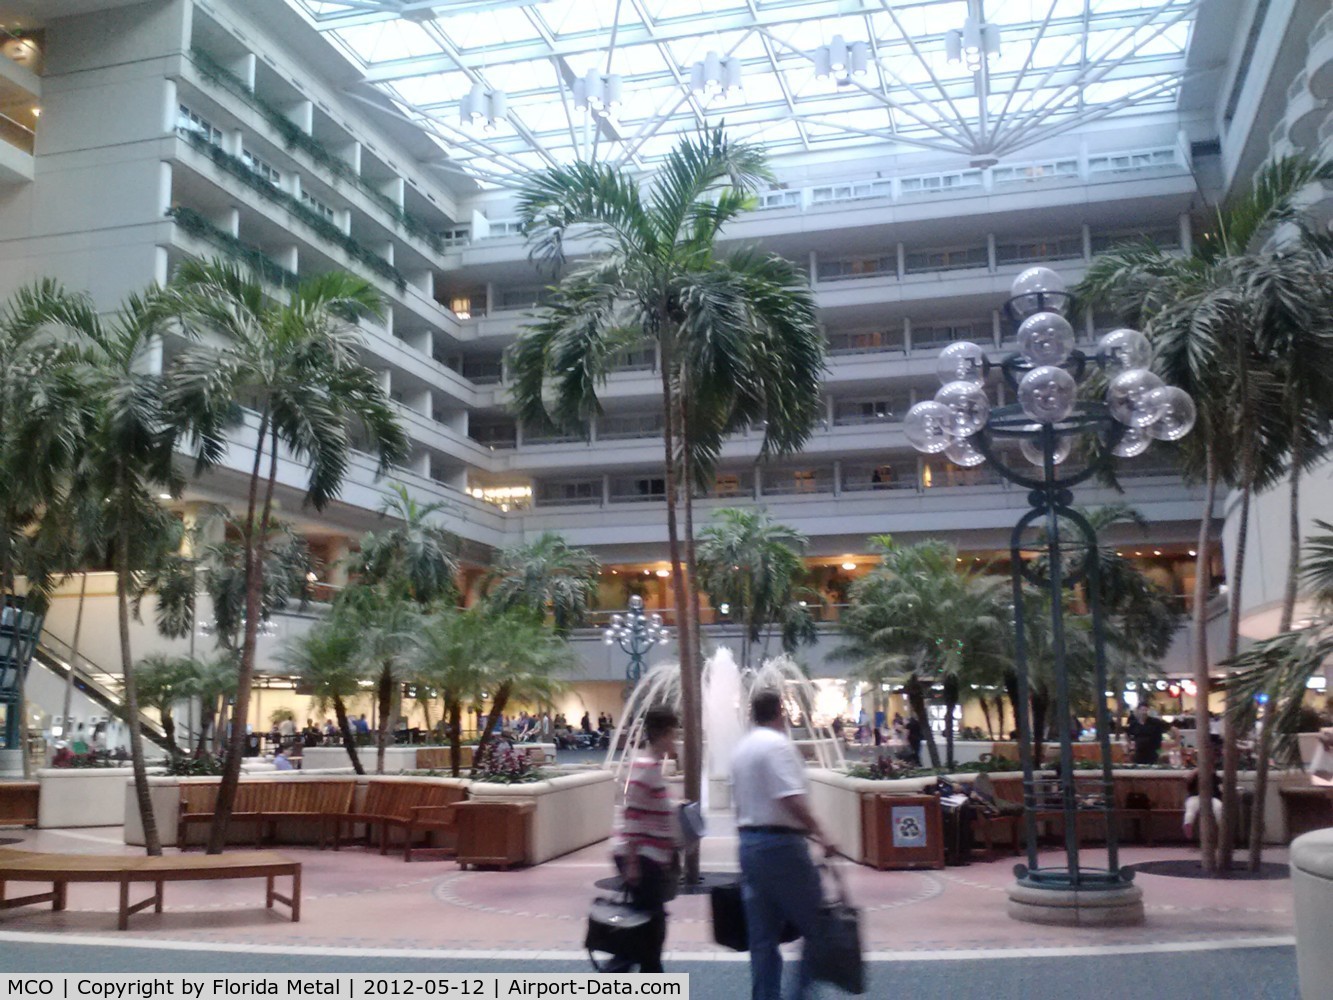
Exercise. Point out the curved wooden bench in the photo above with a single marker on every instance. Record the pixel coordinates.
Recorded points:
(61, 869)
(266, 802)
(415, 807)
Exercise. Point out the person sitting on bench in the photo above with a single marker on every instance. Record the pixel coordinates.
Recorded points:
(1192, 801)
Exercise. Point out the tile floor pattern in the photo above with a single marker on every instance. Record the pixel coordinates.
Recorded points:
(357, 899)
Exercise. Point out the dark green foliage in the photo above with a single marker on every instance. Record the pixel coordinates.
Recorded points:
(261, 263)
(326, 230)
(294, 137)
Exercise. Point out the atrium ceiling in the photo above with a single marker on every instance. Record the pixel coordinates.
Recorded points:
(1055, 66)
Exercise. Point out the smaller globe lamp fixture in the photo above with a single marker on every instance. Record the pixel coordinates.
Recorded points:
(1045, 373)
(636, 634)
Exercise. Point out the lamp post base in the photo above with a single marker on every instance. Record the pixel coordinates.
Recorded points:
(1121, 906)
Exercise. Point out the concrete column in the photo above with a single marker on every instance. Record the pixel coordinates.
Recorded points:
(1089, 323)
(343, 218)
(758, 492)
(991, 262)
(290, 258)
(1186, 233)
(386, 380)
(814, 267)
(829, 411)
(170, 106)
(396, 189)
(488, 306)
(385, 250)
(164, 186)
(388, 322)
(907, 330)
(902, 262)
(303, 115)
(837, 478)
(293, 181)
(352, 154)
(161, 266)
(233, 142)
(1087, 242)
(606, 490)
(244, 67)
(997, 327)
(339, 550)
(419, 401)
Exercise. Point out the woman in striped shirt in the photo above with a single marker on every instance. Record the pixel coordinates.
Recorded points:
(646, 838)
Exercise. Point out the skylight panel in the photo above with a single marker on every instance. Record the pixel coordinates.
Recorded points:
(473, 31)
(384, 41)
(576, 16)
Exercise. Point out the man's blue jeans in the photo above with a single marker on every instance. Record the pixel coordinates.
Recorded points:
(780, 885)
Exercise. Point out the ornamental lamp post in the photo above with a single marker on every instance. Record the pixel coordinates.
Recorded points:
(1058, 406)
(636, 634)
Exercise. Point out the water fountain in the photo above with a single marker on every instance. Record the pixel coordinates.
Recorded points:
(726, 691)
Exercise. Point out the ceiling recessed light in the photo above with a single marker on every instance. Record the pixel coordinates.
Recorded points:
(1193, 552)
(849, 565)
(664, 572)
(1157, 552)
(164, 496)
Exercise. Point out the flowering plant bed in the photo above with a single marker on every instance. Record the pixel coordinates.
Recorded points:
(506, 766)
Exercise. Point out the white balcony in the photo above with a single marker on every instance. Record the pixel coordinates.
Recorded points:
(1305, 113)
(1319, 61)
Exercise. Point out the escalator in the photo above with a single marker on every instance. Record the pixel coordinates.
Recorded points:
(96, 684)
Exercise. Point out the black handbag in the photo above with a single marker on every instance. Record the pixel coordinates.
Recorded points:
(834, 955)
(617, 929)
(730, 929)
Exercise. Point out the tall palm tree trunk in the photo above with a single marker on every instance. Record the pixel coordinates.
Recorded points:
(691, 715)
(1257, 831)
(455, 735)
(255, 536)
(1041, 703)
(345, 728)
(384, 702)
(497, 707)
(916, 698)
(74, 652)
(950, 703)
(985, 713)
(152, 843)
(1226, 840)
(1202, 677)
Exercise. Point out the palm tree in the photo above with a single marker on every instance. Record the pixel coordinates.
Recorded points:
(447, 656)
(546, 575)
(126, 459)
(753, 565)
(736, 335)
(44, 408)
(297, 364)
(385, 624)
(326, 658)
(520, 659)
(163, 681)
(921, 618)
(1280, 668)
(1200, 313)
(416, 556)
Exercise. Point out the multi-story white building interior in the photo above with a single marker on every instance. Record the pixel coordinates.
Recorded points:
(911, 187)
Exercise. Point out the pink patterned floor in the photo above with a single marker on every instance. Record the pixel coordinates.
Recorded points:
(358, 899)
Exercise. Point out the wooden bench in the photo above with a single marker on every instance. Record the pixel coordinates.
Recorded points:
(62, 869)
(1163, 817)
(414, 807)
(18, 803)
(268, 802)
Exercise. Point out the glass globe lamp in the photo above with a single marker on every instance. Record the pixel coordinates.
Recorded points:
(1134, 442)
(1035, 290)
(962, 361)
(926, 427)
(1033, 453)
(1047, 394)
(968, 406)
(1123, 349)
(1177, 413)
(1046, 338)
(1131, 400)
(963, 452)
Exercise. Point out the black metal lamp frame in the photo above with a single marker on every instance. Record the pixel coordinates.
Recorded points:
(1051, 499)
(19, 630)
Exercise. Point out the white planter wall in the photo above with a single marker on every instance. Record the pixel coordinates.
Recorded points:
(572, 810)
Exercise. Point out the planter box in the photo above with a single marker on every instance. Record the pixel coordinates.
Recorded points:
(569, 811)
(494, 834)
(83, 796)
(836, 799)
(18, 803)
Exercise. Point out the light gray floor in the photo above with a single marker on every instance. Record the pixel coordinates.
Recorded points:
(1243, 974)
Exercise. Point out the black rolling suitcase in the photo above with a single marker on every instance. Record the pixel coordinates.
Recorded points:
(957, 820)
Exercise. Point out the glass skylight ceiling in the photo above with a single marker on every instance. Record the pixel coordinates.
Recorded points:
(1061, 64)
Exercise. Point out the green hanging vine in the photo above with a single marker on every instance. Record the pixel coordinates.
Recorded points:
(190, 221)
(294, 137)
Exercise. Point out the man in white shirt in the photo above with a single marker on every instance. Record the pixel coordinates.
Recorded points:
(779, 881)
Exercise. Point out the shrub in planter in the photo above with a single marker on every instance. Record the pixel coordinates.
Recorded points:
(205, 765)
(506, 766)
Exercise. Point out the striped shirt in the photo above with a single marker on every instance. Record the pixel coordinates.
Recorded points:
(647, 824)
